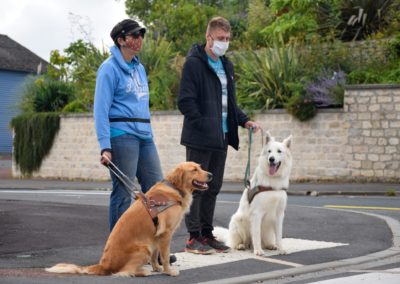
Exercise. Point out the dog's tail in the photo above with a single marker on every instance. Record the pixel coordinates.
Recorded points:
(69, 268)
(221, 234)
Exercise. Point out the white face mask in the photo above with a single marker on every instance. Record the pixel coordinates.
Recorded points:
(220, 47)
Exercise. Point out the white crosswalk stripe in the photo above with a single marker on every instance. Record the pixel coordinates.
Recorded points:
(189, 260)
(391, 276)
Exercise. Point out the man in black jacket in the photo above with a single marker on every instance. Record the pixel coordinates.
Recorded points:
(211, 119)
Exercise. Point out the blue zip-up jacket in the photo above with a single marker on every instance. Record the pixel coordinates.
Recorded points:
(121, 92)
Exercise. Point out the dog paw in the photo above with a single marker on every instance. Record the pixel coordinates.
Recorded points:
(271, 247)
(172, 272)
(241, 247)
(282, 251)
(258, 252)
(142, 272)
(157, 268)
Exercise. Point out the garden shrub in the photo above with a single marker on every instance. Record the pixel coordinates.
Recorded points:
(300, 103)
(158, 59)
(263, 75)
(328, 89)
(33, 138)
(46, 95)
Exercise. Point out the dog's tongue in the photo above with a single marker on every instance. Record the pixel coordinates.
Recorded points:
(273, 168)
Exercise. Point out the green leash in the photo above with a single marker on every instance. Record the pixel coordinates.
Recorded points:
(246, 180)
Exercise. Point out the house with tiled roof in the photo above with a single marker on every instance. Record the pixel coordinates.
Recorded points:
(17, 63)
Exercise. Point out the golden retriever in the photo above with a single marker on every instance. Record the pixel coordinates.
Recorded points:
(136, 240)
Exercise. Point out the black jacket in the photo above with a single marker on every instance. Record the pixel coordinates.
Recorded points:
(200, 101)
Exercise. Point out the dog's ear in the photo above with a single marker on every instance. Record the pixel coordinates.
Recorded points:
(176, 177)
(288, 141)
(268, 138)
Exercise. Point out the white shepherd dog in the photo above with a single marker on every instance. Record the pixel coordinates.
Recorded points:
(258, 222)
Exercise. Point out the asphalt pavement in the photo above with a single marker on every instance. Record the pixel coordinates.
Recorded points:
(33, 237)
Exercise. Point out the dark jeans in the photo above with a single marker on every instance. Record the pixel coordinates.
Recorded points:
(200, 218)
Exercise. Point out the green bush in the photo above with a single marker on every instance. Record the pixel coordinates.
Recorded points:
(158, 59)
(362, 18)
(300, 104)
(33, 139)
(263, 76)
(46, 95)
(75, 107)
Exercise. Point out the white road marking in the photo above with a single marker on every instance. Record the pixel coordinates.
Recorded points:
(278, 261)
(290, 245)
(388, 277)
(60, 192)
(394, 271)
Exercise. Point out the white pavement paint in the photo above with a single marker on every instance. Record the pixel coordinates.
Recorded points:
(190, 261)
(391, 276)
(59, 192)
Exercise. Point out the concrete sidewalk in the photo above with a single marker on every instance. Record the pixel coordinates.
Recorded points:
(312, 189)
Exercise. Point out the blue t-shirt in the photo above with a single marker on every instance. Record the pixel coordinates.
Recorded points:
(220, 71)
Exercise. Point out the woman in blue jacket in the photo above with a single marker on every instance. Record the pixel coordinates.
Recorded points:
(122, 116)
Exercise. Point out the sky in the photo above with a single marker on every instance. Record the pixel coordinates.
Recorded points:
(44, 25)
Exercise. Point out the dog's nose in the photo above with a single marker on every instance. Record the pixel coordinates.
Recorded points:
(271, 159)
(210, 176)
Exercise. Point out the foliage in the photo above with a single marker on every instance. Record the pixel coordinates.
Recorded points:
(377, 71)
(373, 75)
(259, 16)
(46, 95)
(158, 59)
(263, 75)
(361, 18)
(34, 136)
(394, 47)
(292, 19)
(328, 89)
(75, 107)
(300, 104)
(79, 66)
(182, 23)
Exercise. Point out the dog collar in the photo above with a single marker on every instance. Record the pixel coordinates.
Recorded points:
(181, 193)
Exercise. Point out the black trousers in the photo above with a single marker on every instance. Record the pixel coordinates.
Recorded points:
(199, 221)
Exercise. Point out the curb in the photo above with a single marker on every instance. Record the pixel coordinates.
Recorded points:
(393, 224)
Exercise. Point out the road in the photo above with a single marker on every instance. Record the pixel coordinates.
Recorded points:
(41, 227)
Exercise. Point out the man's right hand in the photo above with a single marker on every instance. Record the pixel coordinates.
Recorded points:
(105, 158)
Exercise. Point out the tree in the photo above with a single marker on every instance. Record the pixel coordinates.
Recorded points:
(78, 66)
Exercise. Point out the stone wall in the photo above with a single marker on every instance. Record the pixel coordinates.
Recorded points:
(373, 143)
(359, 142)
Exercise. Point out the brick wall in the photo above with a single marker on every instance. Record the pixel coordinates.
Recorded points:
(359, 142)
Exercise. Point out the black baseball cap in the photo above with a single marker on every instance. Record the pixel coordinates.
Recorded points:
(125, 27)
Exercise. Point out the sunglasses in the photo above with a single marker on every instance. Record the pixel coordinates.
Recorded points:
(136, 34)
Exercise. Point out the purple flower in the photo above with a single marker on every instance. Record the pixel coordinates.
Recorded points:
(322, 90)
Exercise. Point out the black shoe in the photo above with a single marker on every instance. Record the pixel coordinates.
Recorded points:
(217, 245)
(172, 259)
(196, 246)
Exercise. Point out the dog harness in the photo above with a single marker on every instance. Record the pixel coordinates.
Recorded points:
(155, 204)
(252, 192)
(159, 202)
